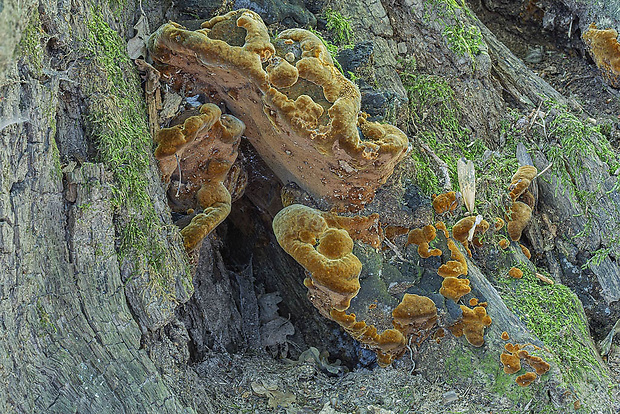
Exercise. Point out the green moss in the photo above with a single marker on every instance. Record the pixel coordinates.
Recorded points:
(117, 121)
(435, 119)
(555, 315)
(461, 37)
(30, 44)
(339, 26)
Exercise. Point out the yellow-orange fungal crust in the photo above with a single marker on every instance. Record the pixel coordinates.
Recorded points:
(455, 267)
(414, 316)
(511, 363)
(504, 243)
(474, 322)
(440, 225)
(515, 272)
(526, 379)
(462, 228)
(519, 216)
(605, 51)
(388, 345)
(303, 117)
(412, 320)
(422, 237)
(445, 202)
(324, 251)
(206, 147)
(454, 288)
(526, 251)
(505, 336)
(521, 180)
(499, 223)
(473, 302)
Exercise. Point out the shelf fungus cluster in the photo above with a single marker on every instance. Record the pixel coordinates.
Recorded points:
(605, 51)
(511, 359)
(206, 146)
(301, 114)
(522, 201)
(322, 243)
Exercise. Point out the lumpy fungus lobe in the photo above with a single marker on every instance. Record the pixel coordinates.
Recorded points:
(526, 251)
(515, 273)
(503, 243)
(470, 229)
(520, 211)
(474, 322)
(422, 237)
(205, 146)
(456, 266)
(446, 202)
(326, 252)
(302, 115)
(526, 379)
(321, 243)
(605, 51)
(454, 288)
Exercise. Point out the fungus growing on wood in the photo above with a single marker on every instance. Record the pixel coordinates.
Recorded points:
(388, 345)
(511, 363)
(605, 51)
(473, 302)
(525, 251)
(515, 273)
(521, 180)
(412, 320)
(504, 243)
(440, 225)
(511, 359)
(454, 288)
(303, 116)
(505, 336)
(195, 158)
(519, 215)
(414, 316)
(526, 379)
(446, 202)
(455, 267)
(324, 251)
(499, 224)
(422, 237)
(474, 322)
(470, 229)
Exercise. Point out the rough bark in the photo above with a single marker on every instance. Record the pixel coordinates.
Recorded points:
(86, 327)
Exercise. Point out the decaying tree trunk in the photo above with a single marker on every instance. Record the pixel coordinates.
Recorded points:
(98, 311)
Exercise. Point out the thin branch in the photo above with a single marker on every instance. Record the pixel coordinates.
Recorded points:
(441, 163)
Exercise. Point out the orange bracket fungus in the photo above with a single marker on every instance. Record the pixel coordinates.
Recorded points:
(523, 201)
(422, 237)
(455, 267)
(511, 359)
(526, 379)
(526, 251)
(470, 229)
(454, 288)
(521, 180)
(322, 244)
(324, 251)
(605, 51)
(446, 202)
(503, 243)
(515, 273)
(195, 158)
(301, 114)
(474, 322)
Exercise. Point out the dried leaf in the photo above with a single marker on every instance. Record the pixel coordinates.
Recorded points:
(136, 46)
(467, 182)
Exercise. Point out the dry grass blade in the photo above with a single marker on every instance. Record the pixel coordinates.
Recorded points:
(467, 182)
